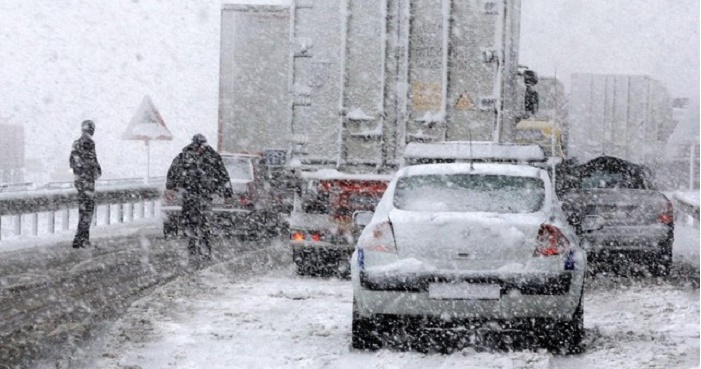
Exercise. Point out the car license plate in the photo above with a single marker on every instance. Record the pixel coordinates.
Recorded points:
(464, 291)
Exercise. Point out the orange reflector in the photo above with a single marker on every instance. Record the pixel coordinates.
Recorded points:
(297, 236)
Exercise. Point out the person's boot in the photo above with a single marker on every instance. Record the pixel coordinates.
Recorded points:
(78, 243)
(192, 248)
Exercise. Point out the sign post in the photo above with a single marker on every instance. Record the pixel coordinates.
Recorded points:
(147, 125)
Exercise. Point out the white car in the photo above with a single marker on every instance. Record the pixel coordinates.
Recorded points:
(468, 246)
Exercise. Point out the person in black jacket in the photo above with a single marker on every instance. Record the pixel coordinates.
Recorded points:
(199, 172)
(86, 170)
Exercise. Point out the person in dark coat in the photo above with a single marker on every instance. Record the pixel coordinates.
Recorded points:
(86, 170)
(199, 172)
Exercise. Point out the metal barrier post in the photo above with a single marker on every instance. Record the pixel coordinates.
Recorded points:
(18, 225)
(65, 218)
(121, 210)
(52, 221)
(35, 224)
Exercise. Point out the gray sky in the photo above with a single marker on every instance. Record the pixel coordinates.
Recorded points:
(69, 60)
(655, 37)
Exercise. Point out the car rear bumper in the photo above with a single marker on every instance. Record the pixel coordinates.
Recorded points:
(629, 240)
(322, 250)
(527, 284)
(539, 295)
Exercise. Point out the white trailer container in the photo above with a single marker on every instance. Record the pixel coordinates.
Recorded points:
(366, 77)
(11, 153)
(254, 111)
(627, 116)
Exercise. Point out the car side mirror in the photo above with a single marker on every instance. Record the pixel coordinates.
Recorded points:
(362, 218)
(592, 223)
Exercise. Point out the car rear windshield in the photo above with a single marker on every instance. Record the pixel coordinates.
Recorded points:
(603, 179)
(239, 168)
(470, 193)
(342, 198)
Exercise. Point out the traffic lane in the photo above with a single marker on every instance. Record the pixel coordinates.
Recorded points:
(285, 321)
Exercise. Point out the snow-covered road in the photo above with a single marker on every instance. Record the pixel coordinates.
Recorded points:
(280, 320)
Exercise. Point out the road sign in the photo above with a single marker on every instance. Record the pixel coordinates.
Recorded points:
(147, 124)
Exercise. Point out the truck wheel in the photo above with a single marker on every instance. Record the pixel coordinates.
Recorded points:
(301, 264)
(365, 332)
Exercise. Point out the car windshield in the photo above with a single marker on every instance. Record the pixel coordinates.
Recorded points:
(239, 168)
(469, 193)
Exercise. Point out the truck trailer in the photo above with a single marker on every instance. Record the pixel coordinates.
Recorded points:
(625, 116)
(349, 83)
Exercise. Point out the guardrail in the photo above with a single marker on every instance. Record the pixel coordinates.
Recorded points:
(127, 198)
(687, 203)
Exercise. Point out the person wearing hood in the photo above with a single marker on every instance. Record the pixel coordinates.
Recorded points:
(86, 170)
(199, 173)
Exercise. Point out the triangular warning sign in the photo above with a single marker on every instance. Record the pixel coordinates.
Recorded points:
(464, 102)
(147, 124)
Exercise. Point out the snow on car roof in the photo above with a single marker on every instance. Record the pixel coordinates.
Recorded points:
(477, 150)
(477, 168)
(330, 174)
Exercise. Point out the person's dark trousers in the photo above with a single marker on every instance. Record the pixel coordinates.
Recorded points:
(86, 208)
(196, 209)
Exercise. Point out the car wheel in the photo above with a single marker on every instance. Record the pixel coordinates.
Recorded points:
(365, 332)
(566, 337)
(303, 267)
(661, 265)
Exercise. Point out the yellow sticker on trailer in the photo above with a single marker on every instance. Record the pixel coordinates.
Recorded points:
(464, 102)
(426, 96)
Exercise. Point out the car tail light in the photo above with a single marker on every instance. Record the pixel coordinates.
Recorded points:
(550, 241)
(297, 236)
(301, 236)
(381, 239)
(243, 200)
(668, 216)
(170, 197)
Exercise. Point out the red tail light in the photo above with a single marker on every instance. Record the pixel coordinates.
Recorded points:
(668, 216)
(550, 241)
(243, 200)
(170, 197)
(297, 236)
(380, 240)
(316, 237)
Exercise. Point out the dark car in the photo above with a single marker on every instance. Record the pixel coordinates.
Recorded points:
(256, 207)
(619, 215)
